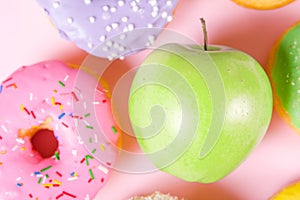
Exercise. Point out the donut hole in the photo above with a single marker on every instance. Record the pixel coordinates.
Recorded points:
(44, 142)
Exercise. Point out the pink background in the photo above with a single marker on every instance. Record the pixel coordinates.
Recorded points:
(27, 37)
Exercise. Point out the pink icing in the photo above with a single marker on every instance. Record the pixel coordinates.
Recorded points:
(27, 98)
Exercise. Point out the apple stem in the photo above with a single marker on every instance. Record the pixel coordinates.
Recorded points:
(204, 33)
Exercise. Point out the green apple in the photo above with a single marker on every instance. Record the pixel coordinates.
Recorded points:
(196, 113)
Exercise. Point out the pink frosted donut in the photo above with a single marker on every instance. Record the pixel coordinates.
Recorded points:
(110, 28)
(41, 153)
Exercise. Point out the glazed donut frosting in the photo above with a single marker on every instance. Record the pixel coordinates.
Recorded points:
(110, 28)
(41, 153)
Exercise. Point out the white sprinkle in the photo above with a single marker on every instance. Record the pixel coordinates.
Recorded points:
(103, 169)
(105, 8)
(108, 28)
(135, 8)
(43, 110)
(80, 140)
(70, 20)
(151, 38)
(96, 138)
(102, 38)
(123, 36)
(84, 104)
(164, 14)
(121, 57)
(169, 18)
(74, 152)
(115, 25)
(105, 49)
(169, 3)
(150, 25)
(72, 178)
(109, 43)
(125, 29)
(56, 127)
(154, 14)
(155, 9)
(152, 2)
(113, 9)
(138, 1)
(4, 128)
(15, 148)
(121, 3)
(19, 178)
(124, 19)
(76, 122)
(90, 45)
(116, 45)
(121, 48)
(130, 27)
(66, 78)
(133, 3)
(92, 19)
(56, 4)
(114, 55)
(87, 197)
(86, 122)
(20, 140)
(87, 2)
(110, 58)
(30, 96)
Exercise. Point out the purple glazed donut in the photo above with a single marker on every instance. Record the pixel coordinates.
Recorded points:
(110, 28)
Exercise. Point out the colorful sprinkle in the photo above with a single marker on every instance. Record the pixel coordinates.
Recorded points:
(68, 194)
(10, 78)
(61, 115)
(12, 85)
(87, 157)
(56, 154)
(91, 174)
(27, 111)
(94, 151)
(65, 125)
(1, 88)
(75, 96)
(3, 152)
(53, 101)
(33, 115)
(87, 115)
(90, 127)
(59, 174)
(102, 147)
(20, 184)
(46, 168)
(114, 129)
(61, 83)
(40, 180)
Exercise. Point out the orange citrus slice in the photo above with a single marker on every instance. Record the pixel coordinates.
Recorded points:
(263, 4)
(291, 192)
